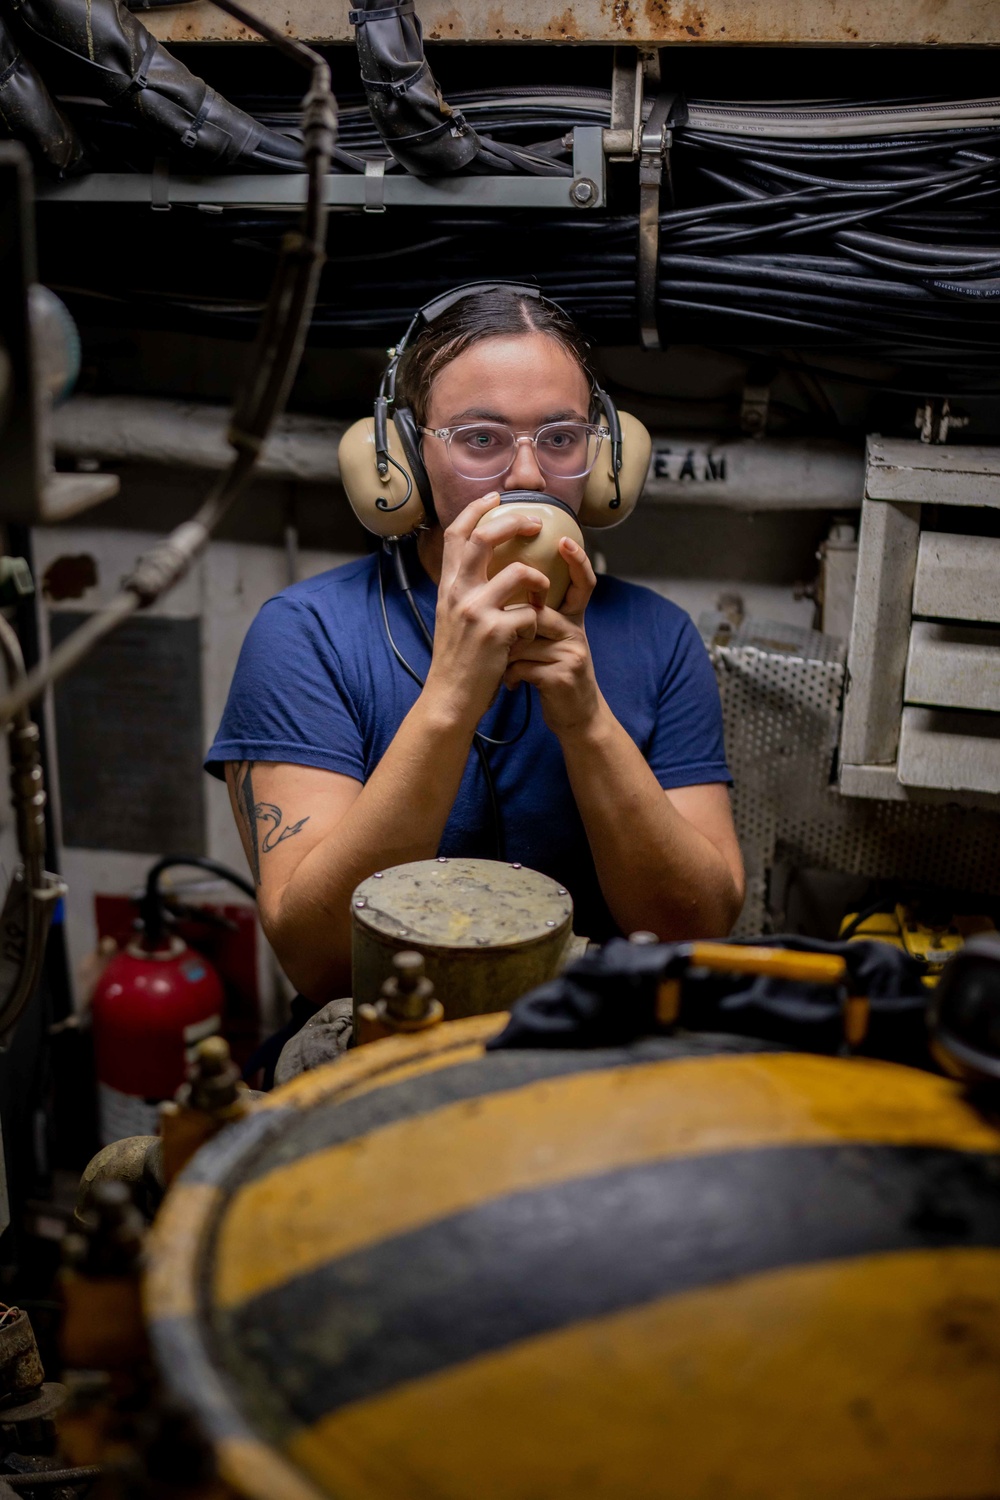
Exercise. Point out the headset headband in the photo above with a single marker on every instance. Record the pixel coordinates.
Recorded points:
(431, 311)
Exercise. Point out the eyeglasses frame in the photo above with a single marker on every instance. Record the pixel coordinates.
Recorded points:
(447, 433)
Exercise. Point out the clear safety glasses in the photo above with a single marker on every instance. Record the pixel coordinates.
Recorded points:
(487, 450)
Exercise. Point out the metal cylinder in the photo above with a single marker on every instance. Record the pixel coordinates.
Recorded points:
(488, 932)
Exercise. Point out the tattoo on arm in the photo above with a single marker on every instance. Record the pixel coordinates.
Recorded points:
(243, 784)
(254, 812)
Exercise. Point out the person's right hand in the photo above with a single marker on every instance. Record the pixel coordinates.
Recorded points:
(473, 631)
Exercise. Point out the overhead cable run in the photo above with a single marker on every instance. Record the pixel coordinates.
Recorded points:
(865, 229)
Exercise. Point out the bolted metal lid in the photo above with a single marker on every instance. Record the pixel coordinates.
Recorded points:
(462, 904)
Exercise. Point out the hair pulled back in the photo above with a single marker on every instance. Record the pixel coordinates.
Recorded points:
(490, 314)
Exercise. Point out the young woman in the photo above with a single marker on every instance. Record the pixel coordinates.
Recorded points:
(607, 763)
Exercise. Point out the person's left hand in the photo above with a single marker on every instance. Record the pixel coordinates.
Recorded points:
(557, 661)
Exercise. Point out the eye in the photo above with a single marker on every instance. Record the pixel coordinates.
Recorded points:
(560, 438)
(480, 439)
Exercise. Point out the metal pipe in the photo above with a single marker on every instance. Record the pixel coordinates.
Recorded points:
(190, 435)
(687, 469)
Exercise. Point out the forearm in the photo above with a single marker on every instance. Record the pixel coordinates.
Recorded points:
(398, 816)
(657, 872)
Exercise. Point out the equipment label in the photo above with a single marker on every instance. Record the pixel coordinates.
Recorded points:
(696, 465)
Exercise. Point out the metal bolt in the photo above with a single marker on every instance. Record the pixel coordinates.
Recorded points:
(562, 892)
(408, 994)
(642, 939)
(583, 191)
(214, 1077)
(378, 875)
(409, 967)
(442, 859)
(211, 1056)
(550, 923)
(516, 867)
(360, 902)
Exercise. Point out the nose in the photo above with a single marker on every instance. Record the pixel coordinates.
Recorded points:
(524, 473)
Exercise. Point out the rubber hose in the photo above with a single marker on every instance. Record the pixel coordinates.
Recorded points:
(418, 126)
(98, 48)
(28, 112)
(151, 905)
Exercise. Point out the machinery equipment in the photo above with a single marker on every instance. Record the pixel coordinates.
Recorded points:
(601, 1247)
(485, 1259)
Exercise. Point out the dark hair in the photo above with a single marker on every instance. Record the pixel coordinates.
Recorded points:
(485, 315)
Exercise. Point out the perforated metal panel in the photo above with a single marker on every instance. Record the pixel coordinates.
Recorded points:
(781, 711)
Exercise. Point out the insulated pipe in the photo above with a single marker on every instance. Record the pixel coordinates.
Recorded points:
(98, 48)
(190, 435)
(28, 113)
(701, 468)
(419, 127)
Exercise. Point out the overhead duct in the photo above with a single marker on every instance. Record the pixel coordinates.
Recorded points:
(96, 48)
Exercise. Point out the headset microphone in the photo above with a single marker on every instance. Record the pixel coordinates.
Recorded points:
(540, 551)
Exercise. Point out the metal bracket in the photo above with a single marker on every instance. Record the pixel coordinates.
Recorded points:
(621, 139)
(375, 187)
(654, 160)
(159, 186)
(587, 190)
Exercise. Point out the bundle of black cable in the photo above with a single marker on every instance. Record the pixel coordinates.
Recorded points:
(97, 48)
(29, 113)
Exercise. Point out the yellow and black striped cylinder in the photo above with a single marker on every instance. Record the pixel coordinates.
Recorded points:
(692, 1267)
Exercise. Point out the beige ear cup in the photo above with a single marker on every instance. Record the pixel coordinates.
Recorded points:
(538, 551)
(377, 502)
(637, 448)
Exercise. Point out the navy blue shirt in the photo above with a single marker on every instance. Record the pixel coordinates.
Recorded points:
(317, 685)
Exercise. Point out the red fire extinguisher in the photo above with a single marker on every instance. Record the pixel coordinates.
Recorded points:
(152, 1004)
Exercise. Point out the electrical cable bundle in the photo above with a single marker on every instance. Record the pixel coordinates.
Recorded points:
(890, 241)
(515, 121)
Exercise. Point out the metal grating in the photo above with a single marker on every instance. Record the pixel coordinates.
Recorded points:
(782, 719)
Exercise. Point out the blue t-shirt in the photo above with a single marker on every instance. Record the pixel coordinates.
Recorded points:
(317, 685)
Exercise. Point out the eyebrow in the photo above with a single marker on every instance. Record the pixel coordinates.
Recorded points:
(481, 414)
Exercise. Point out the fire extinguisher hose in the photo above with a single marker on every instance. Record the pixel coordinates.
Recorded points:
(152, 902)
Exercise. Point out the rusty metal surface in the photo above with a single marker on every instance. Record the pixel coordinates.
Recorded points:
(639, 22)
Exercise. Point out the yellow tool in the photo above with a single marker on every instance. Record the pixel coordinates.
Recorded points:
(903, 927)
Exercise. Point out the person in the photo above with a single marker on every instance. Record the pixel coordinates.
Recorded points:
(350, 745)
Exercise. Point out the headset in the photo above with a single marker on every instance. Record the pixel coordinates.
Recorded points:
(383, 473)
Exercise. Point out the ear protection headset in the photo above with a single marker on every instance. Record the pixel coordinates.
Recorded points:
(383, 473)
